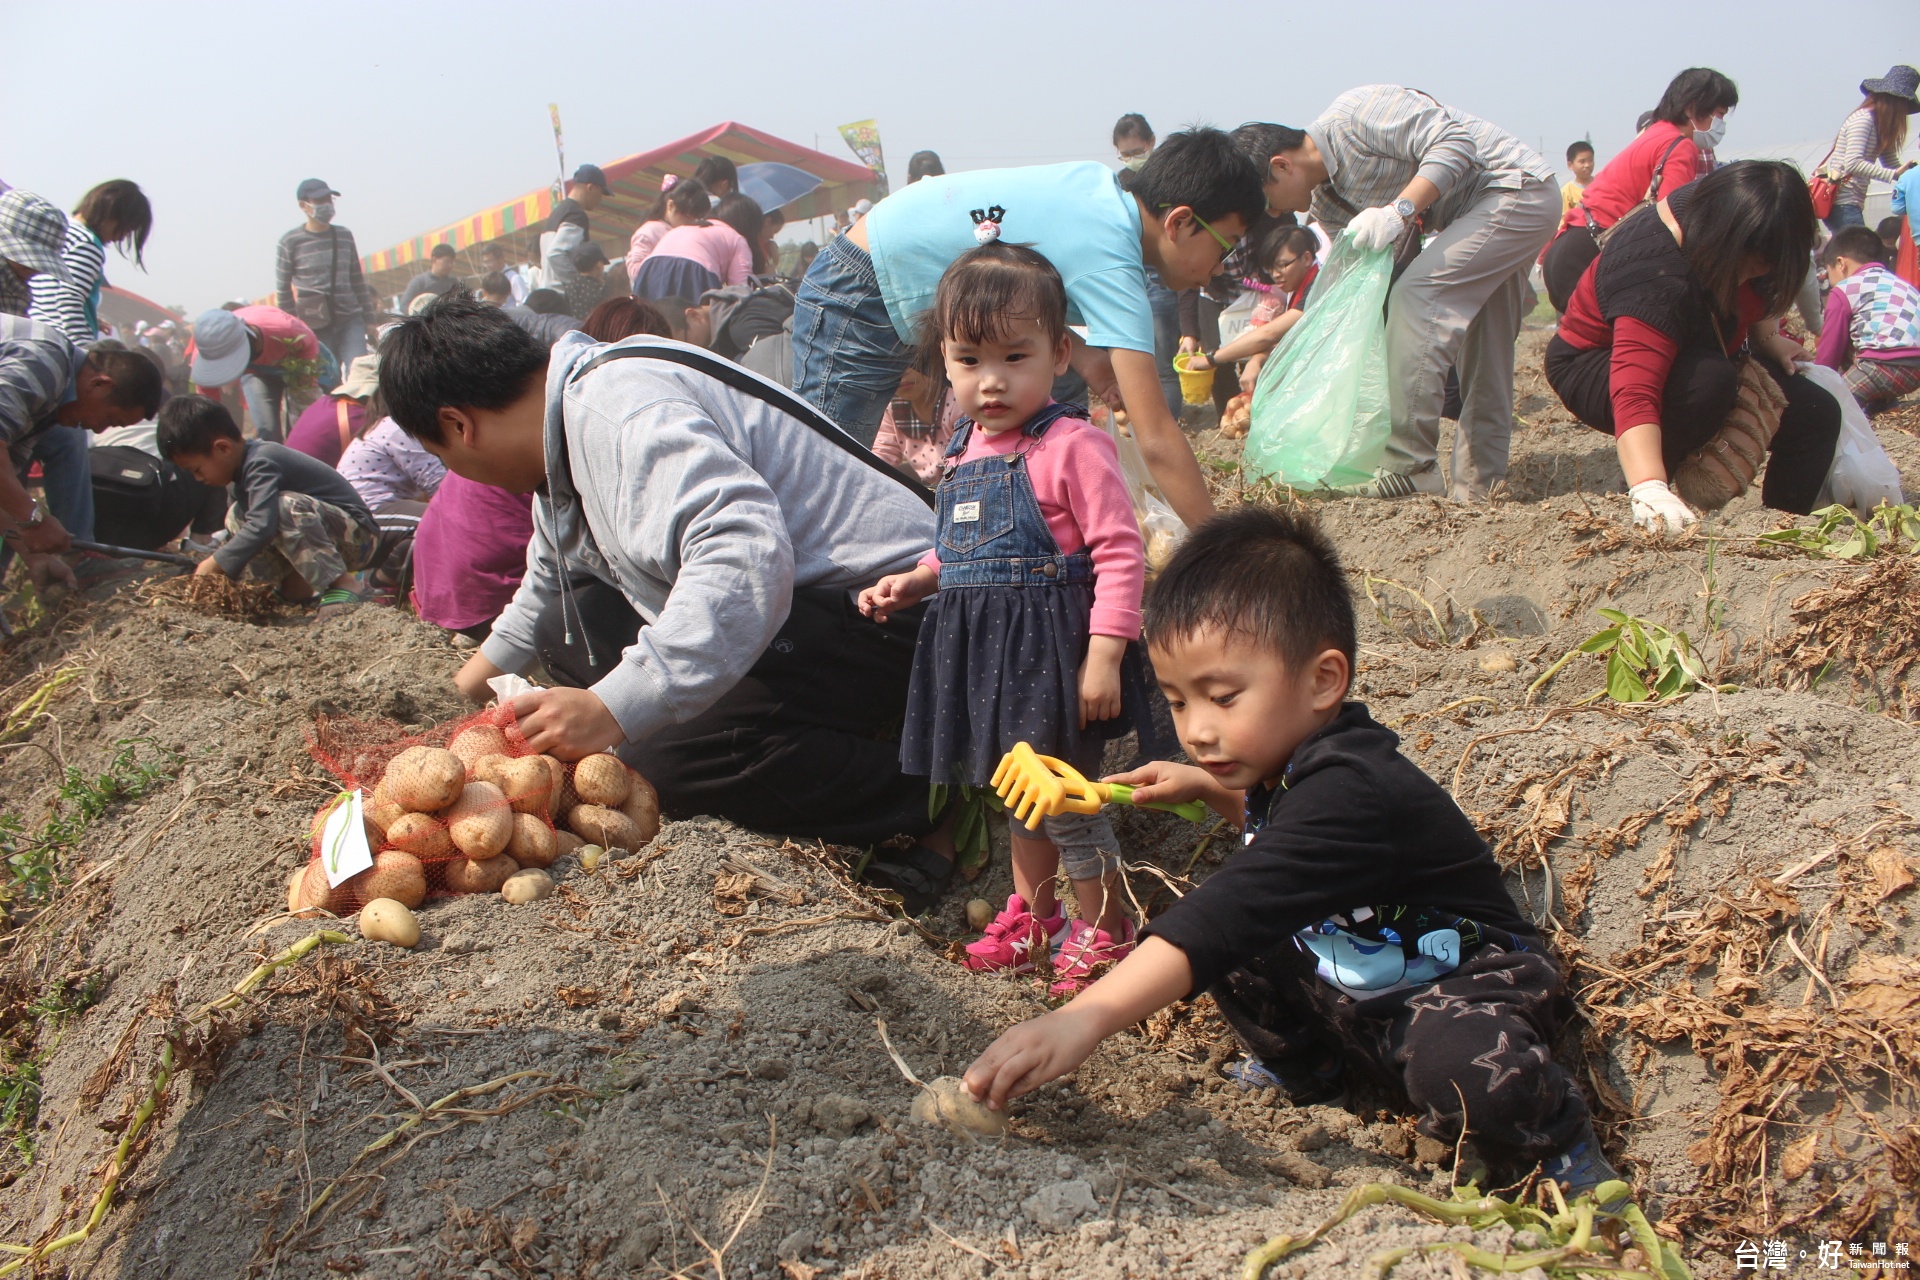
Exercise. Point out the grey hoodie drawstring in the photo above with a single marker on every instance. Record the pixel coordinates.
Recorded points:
(569, 607)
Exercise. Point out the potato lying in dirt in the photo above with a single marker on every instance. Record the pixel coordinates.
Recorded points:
(422, 835)
(979, 914)
(608, 828)
(464, 875)
(424, 779)
(476, 742)
(480, 821)
(307, 891)
(566, 842)
(946, 1102)
(384, 920)
(601, 780)
(642, 807)
(394, 875)
(525, 782)
(533, 843)
(527, 886)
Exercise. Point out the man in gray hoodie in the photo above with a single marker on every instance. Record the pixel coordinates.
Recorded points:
(699, 536)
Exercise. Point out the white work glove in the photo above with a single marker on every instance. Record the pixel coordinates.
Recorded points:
(1377, 228)
(1658, 508)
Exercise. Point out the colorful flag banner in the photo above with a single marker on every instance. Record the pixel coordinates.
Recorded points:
(863, 139)
(559, 150)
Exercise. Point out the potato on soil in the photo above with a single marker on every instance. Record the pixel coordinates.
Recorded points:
(533, 843)
(384, 920)
(424, 779)
(463, 875)
(480, 821)
(422, 835)
(601, 780)
(298, 902)
(309, 891)
(642, 807)
(946, 1102)
(566, 842)
(394, 875)
(979, 914)
(527, 886)
(525, 782)
(608, 828)
(476, 742)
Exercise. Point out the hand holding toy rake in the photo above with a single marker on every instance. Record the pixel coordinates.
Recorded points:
(1034, 786)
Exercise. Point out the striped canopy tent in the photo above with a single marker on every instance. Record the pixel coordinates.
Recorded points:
(634, 185)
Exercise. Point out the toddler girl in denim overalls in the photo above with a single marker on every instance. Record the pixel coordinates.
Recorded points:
(1026, 640)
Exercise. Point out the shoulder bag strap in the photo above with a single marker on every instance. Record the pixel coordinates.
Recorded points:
(346, 425)
(778, 398)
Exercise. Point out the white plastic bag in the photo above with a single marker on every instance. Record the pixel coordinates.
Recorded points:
(1862, 475)
(1160, 528)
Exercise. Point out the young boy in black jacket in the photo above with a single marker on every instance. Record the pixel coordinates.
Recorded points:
(1365, 925)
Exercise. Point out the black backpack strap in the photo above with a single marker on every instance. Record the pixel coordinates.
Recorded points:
(785, 401)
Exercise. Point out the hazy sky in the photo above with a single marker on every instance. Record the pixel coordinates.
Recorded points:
(421, 113)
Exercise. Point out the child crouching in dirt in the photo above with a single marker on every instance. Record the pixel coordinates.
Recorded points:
(294, 519)
(1038, 567)
(1364, 927)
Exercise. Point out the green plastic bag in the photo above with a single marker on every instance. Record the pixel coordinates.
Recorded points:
(1320, 415)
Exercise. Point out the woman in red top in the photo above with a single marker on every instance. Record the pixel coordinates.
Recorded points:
(1651, 347)
(1692, 116)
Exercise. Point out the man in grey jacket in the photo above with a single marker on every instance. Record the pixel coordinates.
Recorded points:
(699, 535)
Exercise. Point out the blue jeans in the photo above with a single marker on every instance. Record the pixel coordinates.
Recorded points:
(847, 358)
(67, 478)
(347, 339)
(266, 395)
(1845, 215)
(1166, 339)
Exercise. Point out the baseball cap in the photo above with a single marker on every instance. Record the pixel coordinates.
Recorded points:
(314, 189)
(221, 348)
(590, 175)
(32, 232)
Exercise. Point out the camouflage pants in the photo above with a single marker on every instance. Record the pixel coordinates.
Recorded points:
(317, 540)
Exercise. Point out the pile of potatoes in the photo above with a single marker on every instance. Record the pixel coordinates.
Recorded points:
(491, 821)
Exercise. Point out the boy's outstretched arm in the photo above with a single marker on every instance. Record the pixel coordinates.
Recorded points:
(1031, 1053)
(1163, 782)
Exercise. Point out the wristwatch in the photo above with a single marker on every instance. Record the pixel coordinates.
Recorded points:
(1404, 207)
(36, 516)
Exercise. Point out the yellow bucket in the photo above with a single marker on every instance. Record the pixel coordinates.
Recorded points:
(1195, 387)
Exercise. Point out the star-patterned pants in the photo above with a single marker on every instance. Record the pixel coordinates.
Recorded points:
(1480, 1036)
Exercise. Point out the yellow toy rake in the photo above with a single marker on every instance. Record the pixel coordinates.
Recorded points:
(1034, 786)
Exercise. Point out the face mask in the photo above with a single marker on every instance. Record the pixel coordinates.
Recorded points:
(1135, 163)
(322, 210)
(1708, 139)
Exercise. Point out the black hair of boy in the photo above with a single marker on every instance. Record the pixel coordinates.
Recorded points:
(461, 352)
(137, 383)
(1132, 125)
(1577, 149)
(989, 286)
(1260, 142)
(673, 309)
(1269, 576)
(1201, 169)
(188, 426)
(1889, 230)
(443, 250)
(494, 284)
(1856, 244)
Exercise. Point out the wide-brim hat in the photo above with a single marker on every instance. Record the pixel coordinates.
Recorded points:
(1901, 81)
(363, 377)
(221, 348)
(32, 232)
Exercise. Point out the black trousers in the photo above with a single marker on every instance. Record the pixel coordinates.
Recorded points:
(1699, 394)
(807, 744)
(1480, 1036)
(1567, 259)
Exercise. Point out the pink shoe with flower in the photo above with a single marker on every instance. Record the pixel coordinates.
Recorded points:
(1016, 941)
(1087, 952)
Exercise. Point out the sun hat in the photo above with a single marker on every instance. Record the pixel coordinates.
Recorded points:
(363, 377)
(32, 232)
(222, 349)
(1901, 81)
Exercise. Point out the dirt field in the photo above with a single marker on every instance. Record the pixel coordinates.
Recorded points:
(1725, 874)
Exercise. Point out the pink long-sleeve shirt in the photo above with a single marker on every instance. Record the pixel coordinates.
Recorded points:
(645, 237)
(715, 246)
(1075, 472)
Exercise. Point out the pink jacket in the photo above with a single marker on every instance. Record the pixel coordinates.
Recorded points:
(645, 237)
(715, 246)
(1075, 472)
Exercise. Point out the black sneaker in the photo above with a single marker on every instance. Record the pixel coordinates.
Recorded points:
(1325, 1086)
(1582, 1167)
(918, 875)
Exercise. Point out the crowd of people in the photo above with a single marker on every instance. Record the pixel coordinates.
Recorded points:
(802, 546)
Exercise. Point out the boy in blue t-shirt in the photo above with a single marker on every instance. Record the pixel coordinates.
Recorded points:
(1365, 928)
(857, 311)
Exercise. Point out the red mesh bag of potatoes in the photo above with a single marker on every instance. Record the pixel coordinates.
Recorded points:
(461, 807)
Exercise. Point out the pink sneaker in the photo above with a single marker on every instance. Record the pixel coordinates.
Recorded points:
(1016, 940)
(1087, 952)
